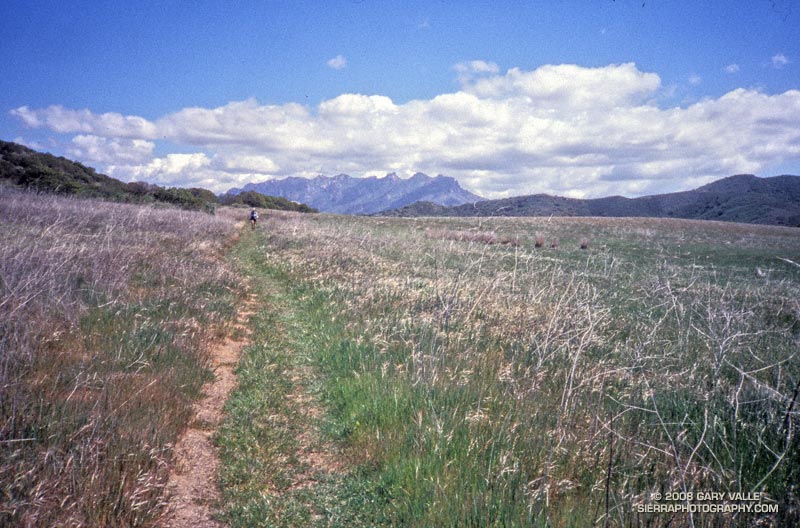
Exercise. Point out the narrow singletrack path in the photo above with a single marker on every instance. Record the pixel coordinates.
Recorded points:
(192, 486)
(259, 430)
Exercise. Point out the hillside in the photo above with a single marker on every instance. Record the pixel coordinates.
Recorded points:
(26, 168)
(741, 198)
(347, 195)
(256, 199)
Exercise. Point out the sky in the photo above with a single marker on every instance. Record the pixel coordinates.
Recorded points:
(581, 98)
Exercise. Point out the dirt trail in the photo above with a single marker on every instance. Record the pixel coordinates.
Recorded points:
(192, 486)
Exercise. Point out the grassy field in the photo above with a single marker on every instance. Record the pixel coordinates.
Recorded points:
(400, 372)
(107, 313)
(466, 377)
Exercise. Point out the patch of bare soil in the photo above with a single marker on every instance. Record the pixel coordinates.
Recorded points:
(192, 486)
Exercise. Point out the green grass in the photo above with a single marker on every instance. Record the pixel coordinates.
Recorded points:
(474, 384)
(401, 372)
(259, 442)
(107, 314)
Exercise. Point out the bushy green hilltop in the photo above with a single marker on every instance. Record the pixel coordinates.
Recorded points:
(26, 168)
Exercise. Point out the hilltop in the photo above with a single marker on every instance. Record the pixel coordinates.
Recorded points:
(26, 168)
(741, 198)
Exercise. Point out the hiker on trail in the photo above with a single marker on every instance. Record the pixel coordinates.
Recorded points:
(253, 217)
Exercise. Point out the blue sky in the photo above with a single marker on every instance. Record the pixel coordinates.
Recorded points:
(583, 98)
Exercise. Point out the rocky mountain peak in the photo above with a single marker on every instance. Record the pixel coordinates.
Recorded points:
(348, 195)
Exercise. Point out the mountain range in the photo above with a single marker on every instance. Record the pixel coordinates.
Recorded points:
(741, 198)
(347, 195)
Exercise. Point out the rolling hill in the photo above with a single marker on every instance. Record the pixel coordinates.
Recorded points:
(741, 198)
(26, 168)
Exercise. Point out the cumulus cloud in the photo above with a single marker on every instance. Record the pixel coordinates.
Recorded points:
(561, 129)
(172, 169)
(248, 164)
(732, 68)
(337, 63)
(177, 163)
(63, 120)
(96, 149)
(243, 123)
(779, 60)
(569, 85)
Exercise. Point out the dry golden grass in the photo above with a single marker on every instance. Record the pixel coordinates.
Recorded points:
(106, 314)
(569, 386)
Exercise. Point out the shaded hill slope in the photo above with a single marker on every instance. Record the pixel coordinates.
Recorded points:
(741, 198)
(26, 168)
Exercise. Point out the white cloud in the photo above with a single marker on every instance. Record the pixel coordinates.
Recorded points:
(62, 120)
(355, 105)
(249, 164)
(172, 169)
(337, 63)
(695, 80)
(568, 85)
(241, 122)
(732, 68)
(97, 149)
(561, 129)
(779, 60)
(476, 66)
(467, 71)
(178, 163)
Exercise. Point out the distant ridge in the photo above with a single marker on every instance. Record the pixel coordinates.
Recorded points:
(348, 195)
(741, 198)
